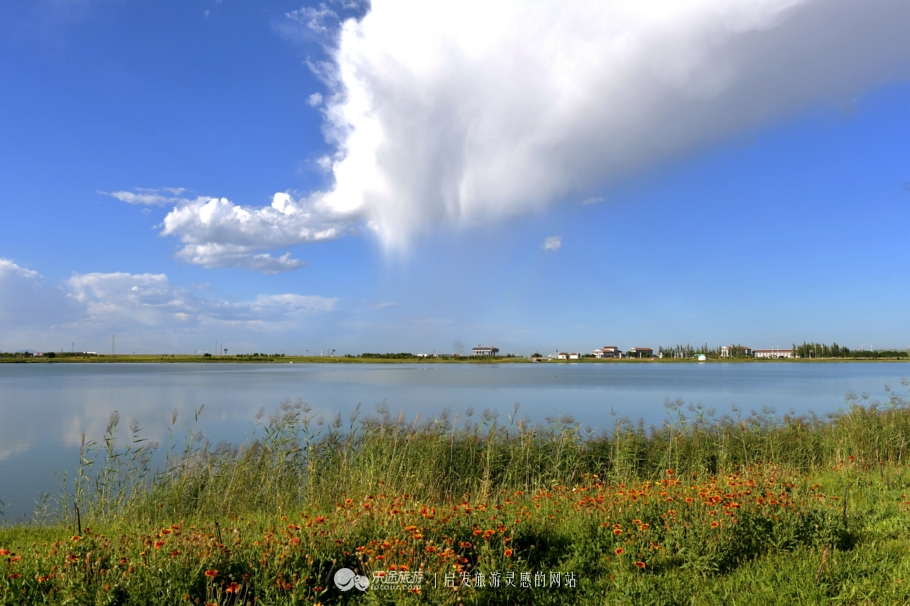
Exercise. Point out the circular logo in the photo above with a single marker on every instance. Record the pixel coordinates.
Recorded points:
(345, 578)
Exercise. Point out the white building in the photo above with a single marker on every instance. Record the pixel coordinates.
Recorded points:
(484, 351)
(607, 351)
(773, 353)
(640, 352)
(727, 350)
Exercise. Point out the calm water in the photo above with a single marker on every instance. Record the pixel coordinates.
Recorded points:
(45, 408)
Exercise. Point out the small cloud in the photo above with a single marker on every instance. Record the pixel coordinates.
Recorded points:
(383, 304)
(320, 20)
(592, 200)
(552, 244)
(314, 99)
(161, 196)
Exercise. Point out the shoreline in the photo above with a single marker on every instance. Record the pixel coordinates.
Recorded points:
(194, 359)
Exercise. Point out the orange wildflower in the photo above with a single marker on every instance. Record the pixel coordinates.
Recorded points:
(508, 552)
(618, 551)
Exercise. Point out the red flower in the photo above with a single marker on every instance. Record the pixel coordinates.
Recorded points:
(640, 565)
(15, 576)
(617, 531)
(618, 551)
(233, 588)
(211, 573)
(508, 552)
(159, 544)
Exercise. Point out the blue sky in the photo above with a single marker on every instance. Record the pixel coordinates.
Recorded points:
(431, 176)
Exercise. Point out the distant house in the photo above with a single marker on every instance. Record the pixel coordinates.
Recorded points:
(562, 355)
(731, 351)
(574, 356)
(611, 351)
(774, 354)
(484, 351)
(640, 352)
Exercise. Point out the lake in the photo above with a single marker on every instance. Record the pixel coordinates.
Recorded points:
(45, 408)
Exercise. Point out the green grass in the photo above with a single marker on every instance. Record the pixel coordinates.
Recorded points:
(745, 510)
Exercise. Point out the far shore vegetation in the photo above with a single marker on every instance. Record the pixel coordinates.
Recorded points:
(475, 509)
(807, 352)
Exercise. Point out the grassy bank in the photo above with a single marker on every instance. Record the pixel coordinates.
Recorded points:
(753, 510)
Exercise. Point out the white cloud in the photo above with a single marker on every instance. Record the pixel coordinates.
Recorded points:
(150, 197)
(314, 99)
(592, 200)
(151, 300)
(35, 314)
(218, 233)
(318, 19)
(27, 301)
(552, 244)
(454, 113)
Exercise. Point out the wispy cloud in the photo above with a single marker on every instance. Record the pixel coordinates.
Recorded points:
(151, 300)
(162, 196)
(552, 244)
(592, 200)
(96, 303)
(314, 100)
(375, 305)
(27, 301)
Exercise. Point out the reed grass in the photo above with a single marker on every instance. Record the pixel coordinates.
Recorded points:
(300, 460)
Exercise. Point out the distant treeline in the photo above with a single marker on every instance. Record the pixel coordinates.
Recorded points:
(820, 350)
(389, 356)
(806, 350)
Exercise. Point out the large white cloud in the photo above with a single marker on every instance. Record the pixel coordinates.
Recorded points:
(460, 113)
